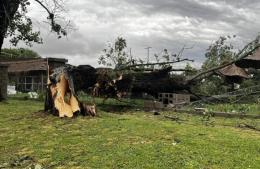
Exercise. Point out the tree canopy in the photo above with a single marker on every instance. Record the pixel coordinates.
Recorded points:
(15, 53)
(220, 54)
(115, 54)
(221, 51)
(15, 24)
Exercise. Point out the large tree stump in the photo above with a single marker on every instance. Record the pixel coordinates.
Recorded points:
(61, 98)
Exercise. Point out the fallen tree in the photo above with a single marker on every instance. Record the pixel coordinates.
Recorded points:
(248, 50)
(163, 81)
(64, 82)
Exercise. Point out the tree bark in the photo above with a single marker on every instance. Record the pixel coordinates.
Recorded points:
(7, 10)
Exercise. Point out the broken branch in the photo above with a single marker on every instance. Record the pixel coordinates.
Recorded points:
(241, 55)
(160, 63)
(172, 70)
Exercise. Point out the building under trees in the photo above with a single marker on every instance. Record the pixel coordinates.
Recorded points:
(31, 74)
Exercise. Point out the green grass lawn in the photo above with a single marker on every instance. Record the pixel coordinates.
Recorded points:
(246, 108)
(125, 139)
(236, 108)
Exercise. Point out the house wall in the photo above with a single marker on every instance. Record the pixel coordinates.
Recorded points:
(3, 82)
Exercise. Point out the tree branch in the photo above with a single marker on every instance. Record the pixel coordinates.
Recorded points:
(172, 70)
(49, 12)
(182, 50)
(243, 54)
(54, 26)
(160, 63)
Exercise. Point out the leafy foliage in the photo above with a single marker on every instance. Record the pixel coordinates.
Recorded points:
(220, 52)
(255, 80)
(191, 71)
(18, 26)
(115, 54)
(21, 29)
(19, 53)
(164, 57)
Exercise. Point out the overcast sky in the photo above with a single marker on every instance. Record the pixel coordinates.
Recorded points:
(156, 23)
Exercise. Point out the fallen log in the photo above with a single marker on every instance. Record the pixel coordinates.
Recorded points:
(244, 125)
(175, 118)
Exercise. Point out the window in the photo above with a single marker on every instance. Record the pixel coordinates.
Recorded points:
(29, 83)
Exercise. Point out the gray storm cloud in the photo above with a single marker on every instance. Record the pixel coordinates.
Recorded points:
(160, 24)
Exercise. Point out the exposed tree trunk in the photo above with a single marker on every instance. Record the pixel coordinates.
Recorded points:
(1, 42)
(7, 10)
(49, 103)
(61, 98)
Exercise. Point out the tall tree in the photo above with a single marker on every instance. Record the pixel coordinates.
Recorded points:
(14, 22)
(219, 52)
(115, 54)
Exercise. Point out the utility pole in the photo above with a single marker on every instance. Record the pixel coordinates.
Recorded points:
(148, 53)
(131, 57)
(130, 53)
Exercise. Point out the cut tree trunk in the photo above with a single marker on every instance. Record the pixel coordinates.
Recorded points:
(61, 98)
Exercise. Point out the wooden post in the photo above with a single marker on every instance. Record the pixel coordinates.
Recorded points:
(32, 88)
(3, 81)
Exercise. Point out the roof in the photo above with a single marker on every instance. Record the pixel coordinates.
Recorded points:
(233, 70)
(250, 61)
(27, 65)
